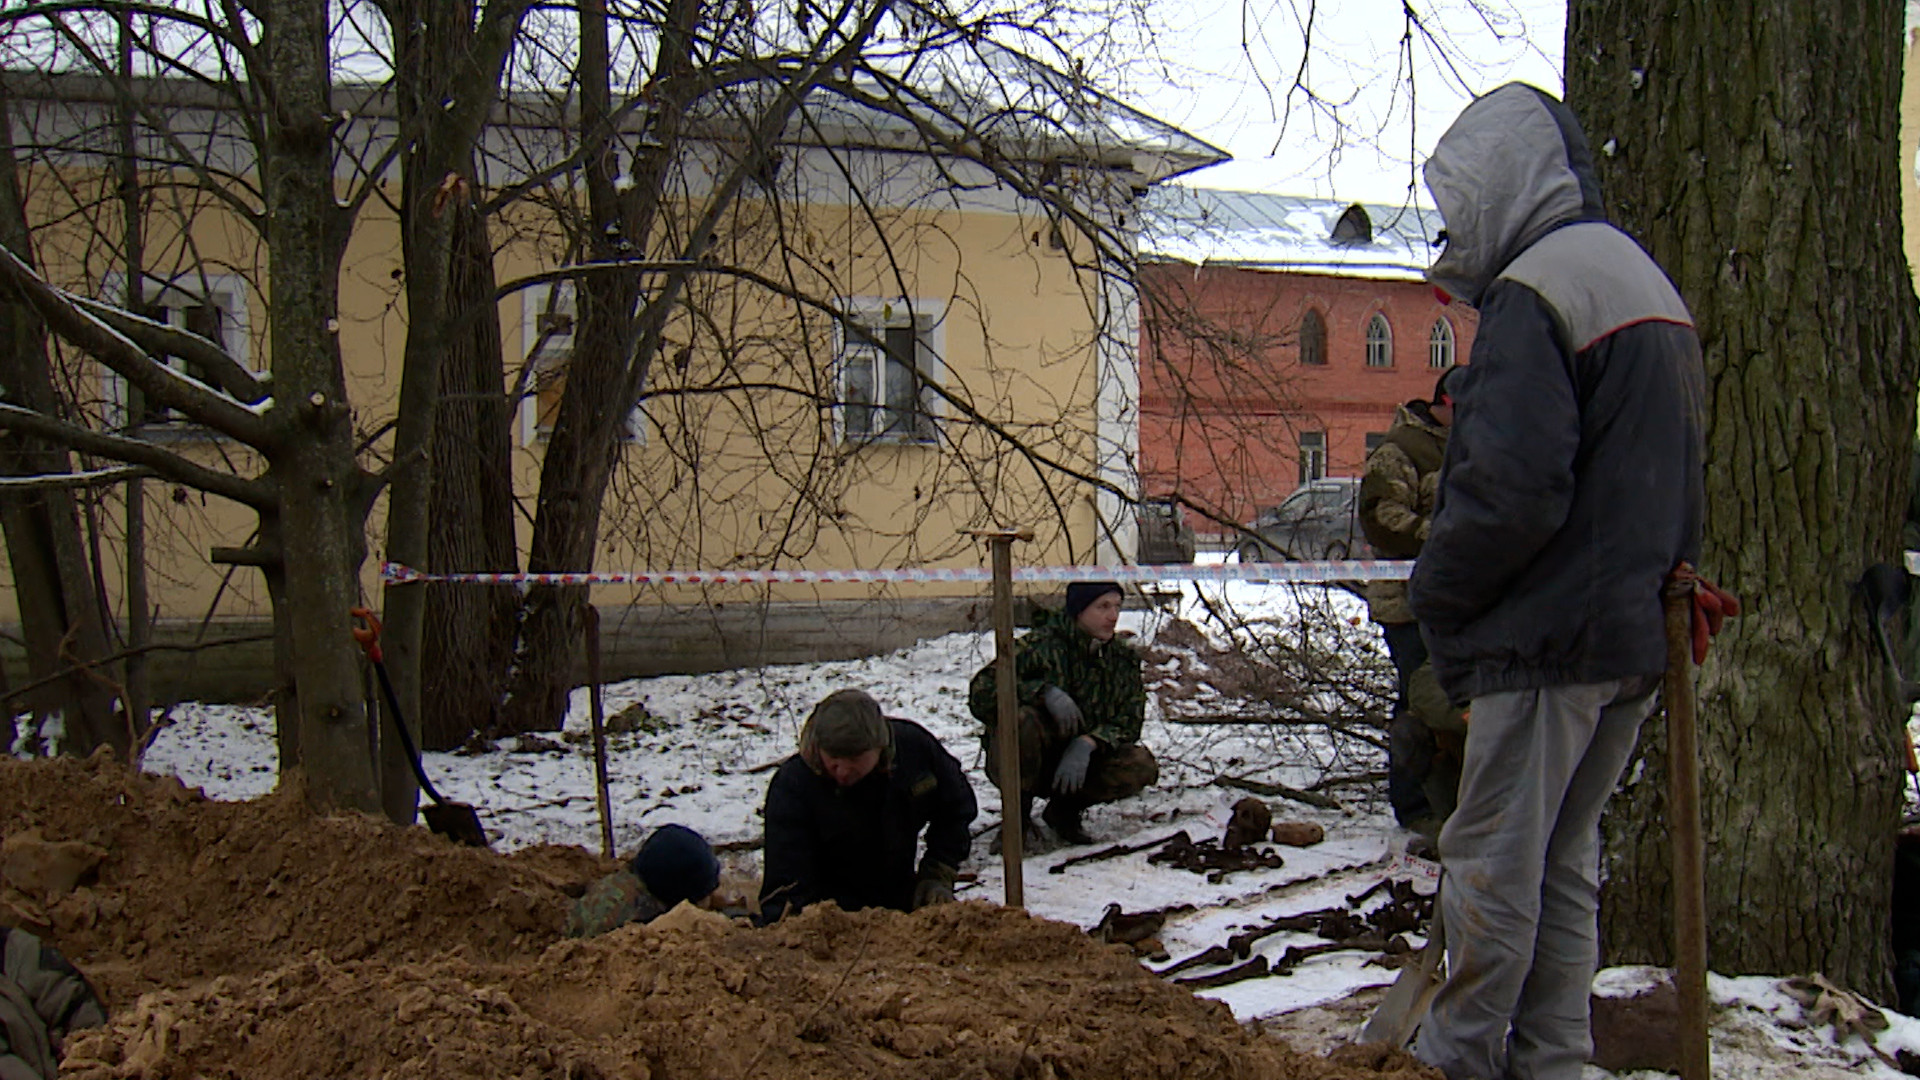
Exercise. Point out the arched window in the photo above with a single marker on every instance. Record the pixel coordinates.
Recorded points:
(1313, 339)
(1440, 345)
(1379, 341)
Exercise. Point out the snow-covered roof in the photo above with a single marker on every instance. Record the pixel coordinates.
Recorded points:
(1206, 227)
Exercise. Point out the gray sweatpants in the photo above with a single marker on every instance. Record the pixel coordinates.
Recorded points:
(1522, 885)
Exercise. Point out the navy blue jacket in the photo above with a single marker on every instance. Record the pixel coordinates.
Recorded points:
(856, 845)
(1573, 480)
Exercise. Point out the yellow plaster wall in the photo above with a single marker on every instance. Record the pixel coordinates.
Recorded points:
(1016, 333)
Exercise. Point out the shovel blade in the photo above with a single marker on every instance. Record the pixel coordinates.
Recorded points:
(1399, 1013)
(456, 821)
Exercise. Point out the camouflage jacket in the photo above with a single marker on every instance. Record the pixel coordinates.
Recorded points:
(1103, 678)
(42, 999)
(613, 902)
(1396, 500)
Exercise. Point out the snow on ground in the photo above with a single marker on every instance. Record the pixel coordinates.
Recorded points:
(699, 750)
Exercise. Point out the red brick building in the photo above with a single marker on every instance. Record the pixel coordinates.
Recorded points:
(1278, 334)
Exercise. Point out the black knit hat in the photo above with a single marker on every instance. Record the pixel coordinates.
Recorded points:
(675, 864)
(1081, 594)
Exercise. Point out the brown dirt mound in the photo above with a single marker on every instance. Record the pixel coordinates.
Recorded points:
(258, 940)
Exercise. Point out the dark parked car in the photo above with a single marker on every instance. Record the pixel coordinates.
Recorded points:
(1320, 520)
(1165, 536)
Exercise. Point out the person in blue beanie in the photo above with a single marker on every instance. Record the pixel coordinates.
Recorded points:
(674, 865)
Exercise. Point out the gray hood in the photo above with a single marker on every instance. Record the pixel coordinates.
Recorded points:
(1513, 167)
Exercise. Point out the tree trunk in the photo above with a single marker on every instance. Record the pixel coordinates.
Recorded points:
(469, 628)
(59, 609)
(322, 518)
(1753, 148)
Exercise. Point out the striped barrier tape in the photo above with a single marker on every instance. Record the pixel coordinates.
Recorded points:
(1333, 570)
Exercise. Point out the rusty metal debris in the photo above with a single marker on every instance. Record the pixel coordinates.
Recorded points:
(1255, 968)
(1380, 930)
(1209, 858)
(1113, 852)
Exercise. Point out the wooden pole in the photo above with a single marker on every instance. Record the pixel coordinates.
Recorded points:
(1007, 712)
(599, 731)
(1012, 828)
(1683, 818)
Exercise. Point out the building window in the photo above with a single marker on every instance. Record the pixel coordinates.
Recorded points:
(1313, 339)
(1379, 342)
(212, 307)
(1440, 345)
(888, 368)
(1313, 455)
(1374, 439)
(548, 317)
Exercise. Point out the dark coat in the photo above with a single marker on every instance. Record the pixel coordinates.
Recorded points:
(856, 845)
(1573, 479)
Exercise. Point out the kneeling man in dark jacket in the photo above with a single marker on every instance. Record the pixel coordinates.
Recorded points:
(844, 815)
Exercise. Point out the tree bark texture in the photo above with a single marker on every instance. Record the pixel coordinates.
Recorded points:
(469, 628)
(1753, 148)
(322, 519)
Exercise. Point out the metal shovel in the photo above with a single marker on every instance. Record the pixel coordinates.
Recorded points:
(457, 821)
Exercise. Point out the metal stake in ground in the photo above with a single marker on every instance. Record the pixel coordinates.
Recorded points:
(1683, 818)
(599, 731)
(1007, 714)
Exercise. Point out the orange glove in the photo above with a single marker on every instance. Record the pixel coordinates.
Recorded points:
(1712, 606)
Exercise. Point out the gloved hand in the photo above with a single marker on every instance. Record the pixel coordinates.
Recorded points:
(1712, 606)
(1072, 773)
(1067, 718)
(935, 885)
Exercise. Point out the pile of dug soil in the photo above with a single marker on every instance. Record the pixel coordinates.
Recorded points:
(259, 940)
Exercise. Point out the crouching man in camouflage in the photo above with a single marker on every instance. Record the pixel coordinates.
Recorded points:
(1082, 703)
(845, 814)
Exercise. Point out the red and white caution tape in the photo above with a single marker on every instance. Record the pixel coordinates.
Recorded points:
(1339, 570)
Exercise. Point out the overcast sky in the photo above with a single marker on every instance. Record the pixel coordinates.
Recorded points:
(1238, 100)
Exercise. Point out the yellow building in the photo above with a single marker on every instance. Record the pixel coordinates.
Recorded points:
(773, 432)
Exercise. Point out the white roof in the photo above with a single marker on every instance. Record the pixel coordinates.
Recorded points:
(1258, 231)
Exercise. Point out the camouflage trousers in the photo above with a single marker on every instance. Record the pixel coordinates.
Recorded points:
(1114, 773)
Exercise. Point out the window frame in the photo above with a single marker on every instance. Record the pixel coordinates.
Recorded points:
(1316, 337)
(230, 294)
(1379, 341)
(1441, 347)
(554, 357)
(873, 318)
(1312, 446)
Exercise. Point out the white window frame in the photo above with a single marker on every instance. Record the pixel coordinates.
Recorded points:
(1379, 341)
(1313, 456)
(1440, 345)
(228, 293)
(555, 352)
(877, 317)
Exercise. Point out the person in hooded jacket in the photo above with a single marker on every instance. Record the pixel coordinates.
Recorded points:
(1082, 703)
(844, 815)
(1572, 487)
(1397, 492)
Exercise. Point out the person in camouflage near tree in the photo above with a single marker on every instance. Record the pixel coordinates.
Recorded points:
(1082, 703)
(1396, 508)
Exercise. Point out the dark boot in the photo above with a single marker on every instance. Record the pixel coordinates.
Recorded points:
(1062, 815)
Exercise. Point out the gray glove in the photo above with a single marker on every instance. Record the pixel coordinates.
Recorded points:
(1067, 719)
(935, 885)
(1072, 773)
